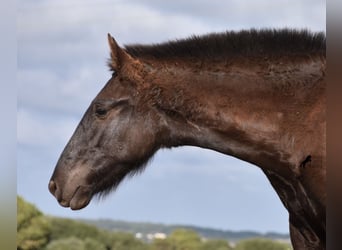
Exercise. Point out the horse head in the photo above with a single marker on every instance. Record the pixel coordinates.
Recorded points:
(115, 138)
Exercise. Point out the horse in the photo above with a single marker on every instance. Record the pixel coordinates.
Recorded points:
(257, 95)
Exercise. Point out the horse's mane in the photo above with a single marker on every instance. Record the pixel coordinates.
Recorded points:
(250, 43)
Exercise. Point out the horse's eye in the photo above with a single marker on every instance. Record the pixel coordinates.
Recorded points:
(100, 112)
(103, 107)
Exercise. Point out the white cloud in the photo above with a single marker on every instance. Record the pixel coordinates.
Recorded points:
(35, 130)
(61, 23)
(144, 20)
(50, 92)
(235, 14)
(197, 162)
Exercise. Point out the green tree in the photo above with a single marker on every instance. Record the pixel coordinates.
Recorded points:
(126, 241)
(74, 243)
(71, 243)
(64, 228)
(92, 244)
(261, 244)
(33, 229)
(183, 239)
(215, 245)
(161, 244)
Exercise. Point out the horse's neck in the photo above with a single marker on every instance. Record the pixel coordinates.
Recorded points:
(272, 117)
(243, 113)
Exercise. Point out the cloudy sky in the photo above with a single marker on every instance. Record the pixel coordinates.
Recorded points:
(62, 53)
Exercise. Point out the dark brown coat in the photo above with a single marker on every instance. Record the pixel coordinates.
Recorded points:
(255, 95)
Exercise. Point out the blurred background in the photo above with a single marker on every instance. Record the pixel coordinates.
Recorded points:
(62, 54)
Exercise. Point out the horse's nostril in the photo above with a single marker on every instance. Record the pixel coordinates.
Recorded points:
(52, 187)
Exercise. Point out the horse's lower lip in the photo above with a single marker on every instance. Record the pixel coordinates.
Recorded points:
(81, 198)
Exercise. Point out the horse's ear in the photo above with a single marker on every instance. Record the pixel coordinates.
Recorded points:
(118, 57)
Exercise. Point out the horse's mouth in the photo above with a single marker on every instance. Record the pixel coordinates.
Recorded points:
(81, 198)
(78, 200)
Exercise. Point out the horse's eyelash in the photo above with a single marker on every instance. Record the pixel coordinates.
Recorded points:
(113, 104)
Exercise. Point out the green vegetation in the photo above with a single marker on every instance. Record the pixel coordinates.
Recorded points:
(35, 231)
(183, 239)
(261, 244)
(216, 244)
(126, 241)
(208, 233)
(180, 239)
(33, 228)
